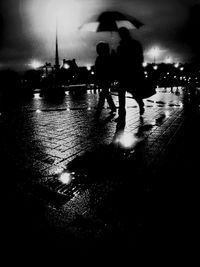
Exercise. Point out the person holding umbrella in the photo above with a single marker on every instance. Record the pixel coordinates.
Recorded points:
(129, 70)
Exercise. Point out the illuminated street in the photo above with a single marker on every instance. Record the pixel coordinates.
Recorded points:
(77, 183)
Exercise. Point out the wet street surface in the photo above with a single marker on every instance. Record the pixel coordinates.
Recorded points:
(77, 185)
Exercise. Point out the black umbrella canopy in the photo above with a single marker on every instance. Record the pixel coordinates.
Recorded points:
(111, 21)
(111, 18)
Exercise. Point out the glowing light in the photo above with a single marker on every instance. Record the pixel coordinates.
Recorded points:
(127, 140)
(180, 104)
(176, 65)
(65, 178)
(37, 96)
(167, 113)
(35, 64)
(66, 66)
(38, 111)
(144, 64)
(154, 53)
(155, 67)
(168, 60)
(88, 67)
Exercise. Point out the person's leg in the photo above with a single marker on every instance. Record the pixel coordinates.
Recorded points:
(140, 104)
(110, 100)
(101, 102)
(122, 102)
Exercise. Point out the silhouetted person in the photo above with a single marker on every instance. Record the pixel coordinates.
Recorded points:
(103, 68)
(130, 70)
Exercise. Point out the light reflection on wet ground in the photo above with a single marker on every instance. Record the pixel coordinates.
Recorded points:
(86, 162)
(126, 138)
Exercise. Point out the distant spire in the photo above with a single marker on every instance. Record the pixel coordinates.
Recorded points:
(56, 56)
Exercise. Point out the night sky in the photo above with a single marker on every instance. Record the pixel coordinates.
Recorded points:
(27, 29)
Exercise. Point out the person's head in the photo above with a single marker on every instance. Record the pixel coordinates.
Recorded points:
(102, 48)
(124, 33)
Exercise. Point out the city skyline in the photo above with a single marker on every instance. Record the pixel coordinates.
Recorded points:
(28, 30)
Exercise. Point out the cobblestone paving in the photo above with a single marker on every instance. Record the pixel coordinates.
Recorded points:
(61, 148)
(45, 138)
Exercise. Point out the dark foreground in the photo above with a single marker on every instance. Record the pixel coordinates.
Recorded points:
(123, 200)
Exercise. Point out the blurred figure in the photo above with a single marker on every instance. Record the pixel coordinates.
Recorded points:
(130, 70)
(103, 72)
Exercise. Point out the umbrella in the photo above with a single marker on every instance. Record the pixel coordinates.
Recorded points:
(111, 21)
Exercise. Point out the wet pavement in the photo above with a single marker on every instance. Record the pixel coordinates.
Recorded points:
(77, 185)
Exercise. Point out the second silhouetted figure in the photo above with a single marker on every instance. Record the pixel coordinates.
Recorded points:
(129, 70)
(103, 72)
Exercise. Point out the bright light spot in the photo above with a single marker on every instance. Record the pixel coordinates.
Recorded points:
(88, 67)
(176, 65)
(168, 60)
(167, 113)
(35, 64)
(65, 178)
(66, 66)
(180, 104)
(92, 72)
(144, 64)
(154, 53)
(126, 140)
(38, 111)
(37, 96)
(181, 68)
(155, 67)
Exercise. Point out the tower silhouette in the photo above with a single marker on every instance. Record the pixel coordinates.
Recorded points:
(56, 52)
